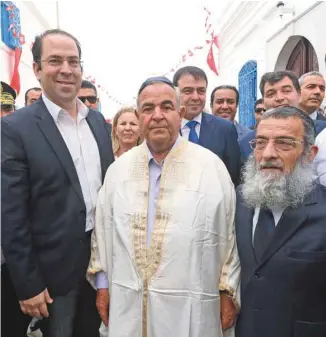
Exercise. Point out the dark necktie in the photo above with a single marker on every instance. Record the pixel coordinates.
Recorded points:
(193, 134)
(264, 231)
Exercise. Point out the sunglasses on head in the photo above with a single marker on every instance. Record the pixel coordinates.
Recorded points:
(90, 99)
(260, 110)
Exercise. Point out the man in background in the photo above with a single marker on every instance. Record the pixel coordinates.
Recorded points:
(213, 133)
(32, 95)
(7, 99)
(312, 94)
(259, 110)
(88, 95)
(224, 104)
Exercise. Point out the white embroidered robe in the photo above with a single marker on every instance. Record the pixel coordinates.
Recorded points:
(170, 289)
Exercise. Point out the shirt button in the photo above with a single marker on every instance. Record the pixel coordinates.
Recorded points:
(257, 274)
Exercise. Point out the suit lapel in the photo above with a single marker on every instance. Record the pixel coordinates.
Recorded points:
(289, 224)
(50, 131)
(244, 222)
(246, 219)
(100, 135)
(206, 131)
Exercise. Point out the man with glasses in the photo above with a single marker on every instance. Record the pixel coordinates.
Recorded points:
(88, 95)
(281, 232)
(259, 110)
(54, 155)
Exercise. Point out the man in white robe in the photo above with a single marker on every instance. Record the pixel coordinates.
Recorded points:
(164, 232)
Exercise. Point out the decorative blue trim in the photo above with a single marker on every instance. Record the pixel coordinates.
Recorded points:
(248, 93)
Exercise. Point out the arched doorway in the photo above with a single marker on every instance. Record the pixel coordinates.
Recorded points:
(303, 58)
(248, 93)
(297, 55)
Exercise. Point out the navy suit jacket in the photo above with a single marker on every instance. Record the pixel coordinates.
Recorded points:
(321, 117)
(220, 136)
(284, 294)
(246, 150)
(43, 212)
(241, 130)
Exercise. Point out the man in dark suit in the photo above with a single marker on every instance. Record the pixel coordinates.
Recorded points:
(54, 155)
(279, 88)
(312, 86)
(281, 232)
(214, 133)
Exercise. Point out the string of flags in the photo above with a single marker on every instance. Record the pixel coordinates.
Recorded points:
(103, 89)
(211, 40)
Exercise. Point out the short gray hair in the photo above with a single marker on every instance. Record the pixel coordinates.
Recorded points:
(177, 91)
(285, 112)
(311, 73)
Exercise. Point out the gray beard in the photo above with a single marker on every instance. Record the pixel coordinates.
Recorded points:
(261, 189)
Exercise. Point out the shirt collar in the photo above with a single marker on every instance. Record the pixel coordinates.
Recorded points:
(197, 119)
(314, 115)
(55, 110)
(151, 158)
(274, 209)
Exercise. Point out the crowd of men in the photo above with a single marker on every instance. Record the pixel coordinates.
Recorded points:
(207, 228)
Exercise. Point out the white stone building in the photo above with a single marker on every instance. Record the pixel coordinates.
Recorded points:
(258, 36)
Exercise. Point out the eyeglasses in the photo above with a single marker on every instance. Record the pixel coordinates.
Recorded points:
(280, 144)
(260, 110)
(58, 62)
(90, 99)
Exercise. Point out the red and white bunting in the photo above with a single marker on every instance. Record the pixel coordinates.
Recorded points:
(211, 40)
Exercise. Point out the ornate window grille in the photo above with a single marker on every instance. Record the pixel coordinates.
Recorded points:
(248, 93)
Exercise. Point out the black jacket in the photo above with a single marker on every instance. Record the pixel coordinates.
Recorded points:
(43, 211)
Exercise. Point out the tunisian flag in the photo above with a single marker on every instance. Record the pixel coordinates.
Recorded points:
(213, 53)
(12, 37)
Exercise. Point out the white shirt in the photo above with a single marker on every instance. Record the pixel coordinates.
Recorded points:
(320, 160)
(277, 214)
(84, 152)
(313, 116)
(185, 130)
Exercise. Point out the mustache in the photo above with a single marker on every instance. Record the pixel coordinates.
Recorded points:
(157, 126)
(269, 164)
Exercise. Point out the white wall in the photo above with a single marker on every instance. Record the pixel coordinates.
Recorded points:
(311, 25)
(248, 29)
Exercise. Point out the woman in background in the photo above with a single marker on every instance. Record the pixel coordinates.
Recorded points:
(125, 131)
